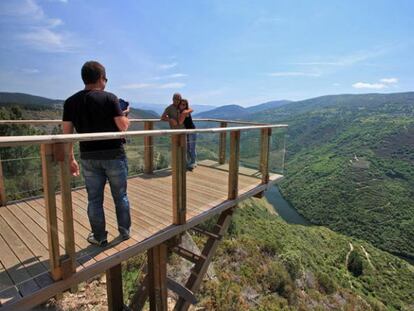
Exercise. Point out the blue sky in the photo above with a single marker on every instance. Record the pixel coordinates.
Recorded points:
(214, 52)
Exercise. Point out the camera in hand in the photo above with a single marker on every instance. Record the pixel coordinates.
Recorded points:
(123, 104)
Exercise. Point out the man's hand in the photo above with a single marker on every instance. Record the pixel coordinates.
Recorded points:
(74, 168)
(126, 111)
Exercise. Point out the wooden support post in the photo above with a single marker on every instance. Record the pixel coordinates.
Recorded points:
(62, 156)
(264, 154)
(234, 165)
(178, 164)
(222, 146)
(114, 288)
(157, 278)
(3, 199)
(148, 149)
(49, 184)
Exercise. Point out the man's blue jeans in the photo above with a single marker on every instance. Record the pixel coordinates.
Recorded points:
(191, 150)
(96, 172)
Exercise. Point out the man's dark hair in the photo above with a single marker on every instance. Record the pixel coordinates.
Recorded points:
(92, 71)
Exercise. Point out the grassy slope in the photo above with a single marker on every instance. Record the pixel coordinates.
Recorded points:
(266, 264)
(326, 184)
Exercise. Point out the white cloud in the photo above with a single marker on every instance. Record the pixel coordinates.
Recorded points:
(30, 70)
(293, 74)
(364, 85)
(168, 66)
(172, 76)
(347, 60)
(174, 85)
(135, 86)
(35, 28)
(383, 84)
(389, 80)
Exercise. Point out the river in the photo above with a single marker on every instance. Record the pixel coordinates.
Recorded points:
(291, 216)
(284, 209)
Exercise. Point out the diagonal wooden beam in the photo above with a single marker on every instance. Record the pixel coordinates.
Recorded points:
(140, 296)
(181, 291)
(186, 254)
(200, 268)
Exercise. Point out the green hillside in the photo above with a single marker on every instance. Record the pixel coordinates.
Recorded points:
(266, 264)
(37, 107)
(350, 165)
(28, 100)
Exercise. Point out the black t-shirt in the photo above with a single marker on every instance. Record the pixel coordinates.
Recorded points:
(188, 122)
(92, 111)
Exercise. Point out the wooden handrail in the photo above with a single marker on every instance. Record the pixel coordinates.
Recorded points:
(11, 141)
(51, 122)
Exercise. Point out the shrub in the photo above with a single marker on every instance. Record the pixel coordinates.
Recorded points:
(355, 265)
(326, 283)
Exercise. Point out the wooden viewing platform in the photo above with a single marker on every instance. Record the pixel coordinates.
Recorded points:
(43, 247)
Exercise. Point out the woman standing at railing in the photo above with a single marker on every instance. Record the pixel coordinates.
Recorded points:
(185, 118)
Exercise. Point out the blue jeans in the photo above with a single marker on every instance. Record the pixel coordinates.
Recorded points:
(191, 150)
(96, 172)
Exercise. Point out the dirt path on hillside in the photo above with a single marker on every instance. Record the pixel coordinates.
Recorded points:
(367, 256)
(351, 248)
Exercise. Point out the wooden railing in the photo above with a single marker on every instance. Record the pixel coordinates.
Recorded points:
(55, 151)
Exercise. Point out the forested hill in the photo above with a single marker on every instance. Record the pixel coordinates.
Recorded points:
(350, 165)
(28, 100)
(237, 112)
(37, 107)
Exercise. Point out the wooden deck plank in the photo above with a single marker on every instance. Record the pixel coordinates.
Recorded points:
(31, 252)
(14, 267)
(111, 216)
(81, 202)
(40, 228)
(8, 292)
(151, 215)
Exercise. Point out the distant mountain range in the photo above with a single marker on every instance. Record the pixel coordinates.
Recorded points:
(27, 99)
(37, 103)
(239, 112)
(159, 109)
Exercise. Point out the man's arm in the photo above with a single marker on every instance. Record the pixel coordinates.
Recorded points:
(122, 123)
(173, 123)
(74, 166)
(164, 116)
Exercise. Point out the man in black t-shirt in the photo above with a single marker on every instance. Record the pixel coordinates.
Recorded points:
(94, 110)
